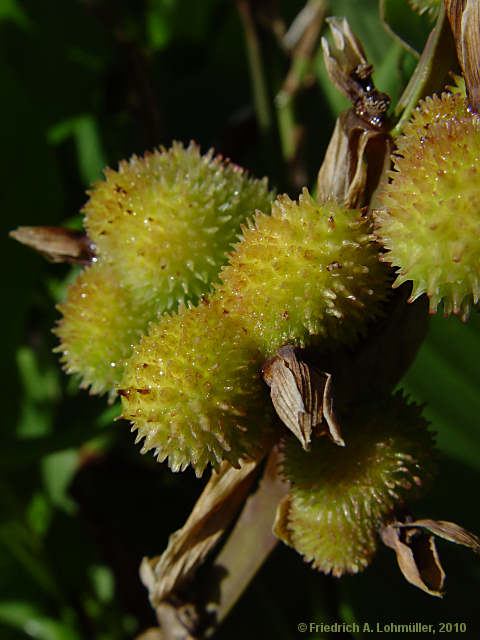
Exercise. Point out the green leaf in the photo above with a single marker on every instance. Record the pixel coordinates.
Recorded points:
(12, 10)
(84, 130)
(40, 382)
(16, 454)
(446, 377)
(39, 513)
(58, 470)
(15, 538)
(409, 26)
(432, 72)
(103, 582)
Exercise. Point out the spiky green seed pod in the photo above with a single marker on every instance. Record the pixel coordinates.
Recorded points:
(308, 269)
(165, 221)
(161, 225)
(194, 392)
(429, 215)
(431, 110)
(100, 323)
(341, 496)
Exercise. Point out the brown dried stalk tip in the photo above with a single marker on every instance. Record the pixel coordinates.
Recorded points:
(191, 604)
(187, 547)
(351, 73)
(355, 158)
(57, 244)
(359, 147)
(464, 17)
(414, 544)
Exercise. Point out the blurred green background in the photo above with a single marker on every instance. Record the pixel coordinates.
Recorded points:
(84, 84)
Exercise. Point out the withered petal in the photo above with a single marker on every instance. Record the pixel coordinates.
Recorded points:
(464, 17)
(301, 395)
(345, 59)
(187, 547)
(417, 557)
(285, 391)
(249, 543)
(448, 531)
(344, 175)
(329, 414)
(57, 244)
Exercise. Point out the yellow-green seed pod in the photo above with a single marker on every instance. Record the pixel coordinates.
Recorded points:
(162, 226)
(193, 387)
(431, 110)
(165, 221)
(341, 496)
(308, 269)
(100, 323)
(429, 212)
(194, 392)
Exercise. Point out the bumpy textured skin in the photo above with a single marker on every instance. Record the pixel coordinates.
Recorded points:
(429, 215)
(165, 221)
(309, 269)
(193, 387)
(341, 496)
(431, 110)
(162, 226)
(100, 323)
(194, 392)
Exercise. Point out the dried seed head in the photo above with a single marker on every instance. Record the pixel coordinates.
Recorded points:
(429, 216)
(193, 390)
(165, 221)
(308, 269)
(341, 496)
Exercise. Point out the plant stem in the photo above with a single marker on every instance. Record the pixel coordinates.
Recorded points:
(302, 54)
(250, 542)
(257, 71)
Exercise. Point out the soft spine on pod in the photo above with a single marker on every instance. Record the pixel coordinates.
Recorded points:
(309, 269)
(428, 215)
(101, 320)
(340, 497)
(161, 226)
(193, 388)
(164, 222)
